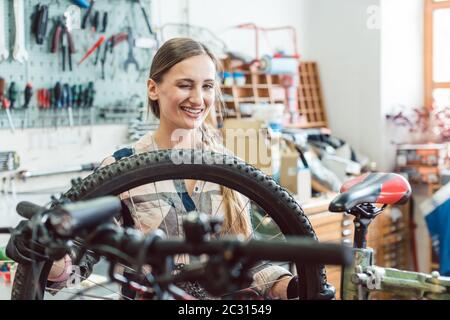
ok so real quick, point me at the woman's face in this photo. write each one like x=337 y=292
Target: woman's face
x=186 y=92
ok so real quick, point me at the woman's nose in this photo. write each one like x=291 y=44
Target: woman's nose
x=196 y=97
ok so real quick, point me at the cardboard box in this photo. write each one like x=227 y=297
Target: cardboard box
x=293 y=176
x=249 y=140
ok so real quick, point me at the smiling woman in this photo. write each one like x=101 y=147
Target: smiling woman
x=186 y=92
x=182 y=89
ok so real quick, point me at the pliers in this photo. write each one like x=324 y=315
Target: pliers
x=63 y=35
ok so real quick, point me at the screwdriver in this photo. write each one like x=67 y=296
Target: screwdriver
x=57 y=96
x=79 y=103
x=12 y=94
x=67 y=97
x=4 y=102
x=104 y=22
x=95 y=21
x=28 y=94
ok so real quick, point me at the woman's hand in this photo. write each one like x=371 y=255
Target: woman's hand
x=279 y=289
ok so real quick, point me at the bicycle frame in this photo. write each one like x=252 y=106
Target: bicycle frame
x=363 y=277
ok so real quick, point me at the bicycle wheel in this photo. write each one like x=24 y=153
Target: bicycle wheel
x=230 y=172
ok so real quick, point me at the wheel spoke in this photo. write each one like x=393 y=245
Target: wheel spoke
x=95 y=284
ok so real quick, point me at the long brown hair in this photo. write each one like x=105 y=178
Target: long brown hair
x=236 y=219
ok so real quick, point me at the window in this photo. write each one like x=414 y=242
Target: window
x=437 y=54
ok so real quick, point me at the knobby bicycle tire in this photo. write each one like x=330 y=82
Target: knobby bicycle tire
x=225 y=170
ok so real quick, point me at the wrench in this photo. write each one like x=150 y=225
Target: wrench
x=4 y=52
x=20 y=54
x=131 y=59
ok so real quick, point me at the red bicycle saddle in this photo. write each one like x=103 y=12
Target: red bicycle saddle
x=381 y=188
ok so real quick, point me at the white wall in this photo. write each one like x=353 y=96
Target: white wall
x=52 y=149
x=348 y=56
x=402 y=84
x=221 y=16
x=402 y=63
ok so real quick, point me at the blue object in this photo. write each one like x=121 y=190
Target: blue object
x=438 y=222
x=123 y=153
x=276 y=127
x=82 y=3
x=188 y=203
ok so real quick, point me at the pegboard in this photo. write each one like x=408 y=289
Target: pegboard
x=119 y=90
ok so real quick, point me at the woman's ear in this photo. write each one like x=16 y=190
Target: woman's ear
x=152 y=89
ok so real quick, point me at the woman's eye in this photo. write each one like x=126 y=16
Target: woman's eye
x=208 y=86
x=184 y=86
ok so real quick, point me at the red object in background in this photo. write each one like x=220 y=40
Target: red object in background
x=257 y=29
x=92 y=49
x=7 y=276
x=4 y=277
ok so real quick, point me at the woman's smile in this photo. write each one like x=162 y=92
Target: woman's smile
x=194 y=113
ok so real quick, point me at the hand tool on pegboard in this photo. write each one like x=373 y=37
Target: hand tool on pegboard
x=40 y=23
x=28 y=93
x=147 y=20
x=12 y=95
x=20 y=53
x=43 y=97
x=4 y=103
x=96 y=46
x=130 y=59
x=90 y=104
x=67 y=101
x=95 y=22
x=4 y=52
x=79 y=103
x=109 y=45
x=82 y=3
x=62 y=38
x=87 y=15
x=58 y=102
x=104 y=22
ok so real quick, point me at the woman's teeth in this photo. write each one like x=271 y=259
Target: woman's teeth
x=192 y=110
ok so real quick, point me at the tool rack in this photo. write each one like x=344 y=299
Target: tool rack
x=120 y=90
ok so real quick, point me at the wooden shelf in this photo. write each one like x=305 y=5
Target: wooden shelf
x=260 y=87
x=248 y=99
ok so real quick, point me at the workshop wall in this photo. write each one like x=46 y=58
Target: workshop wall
x=348 y=55
x=43 y=138
x=49 y=149
x=402 y=62
x=120 y=89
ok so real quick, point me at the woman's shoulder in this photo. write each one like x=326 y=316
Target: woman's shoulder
x=144 y=144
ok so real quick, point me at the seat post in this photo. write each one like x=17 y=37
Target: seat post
x=361 y=228
x=364 y=215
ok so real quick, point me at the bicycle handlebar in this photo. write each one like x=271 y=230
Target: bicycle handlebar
x=67 y=220
x=71 y=219
x=293 y=249
x=28 y=210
